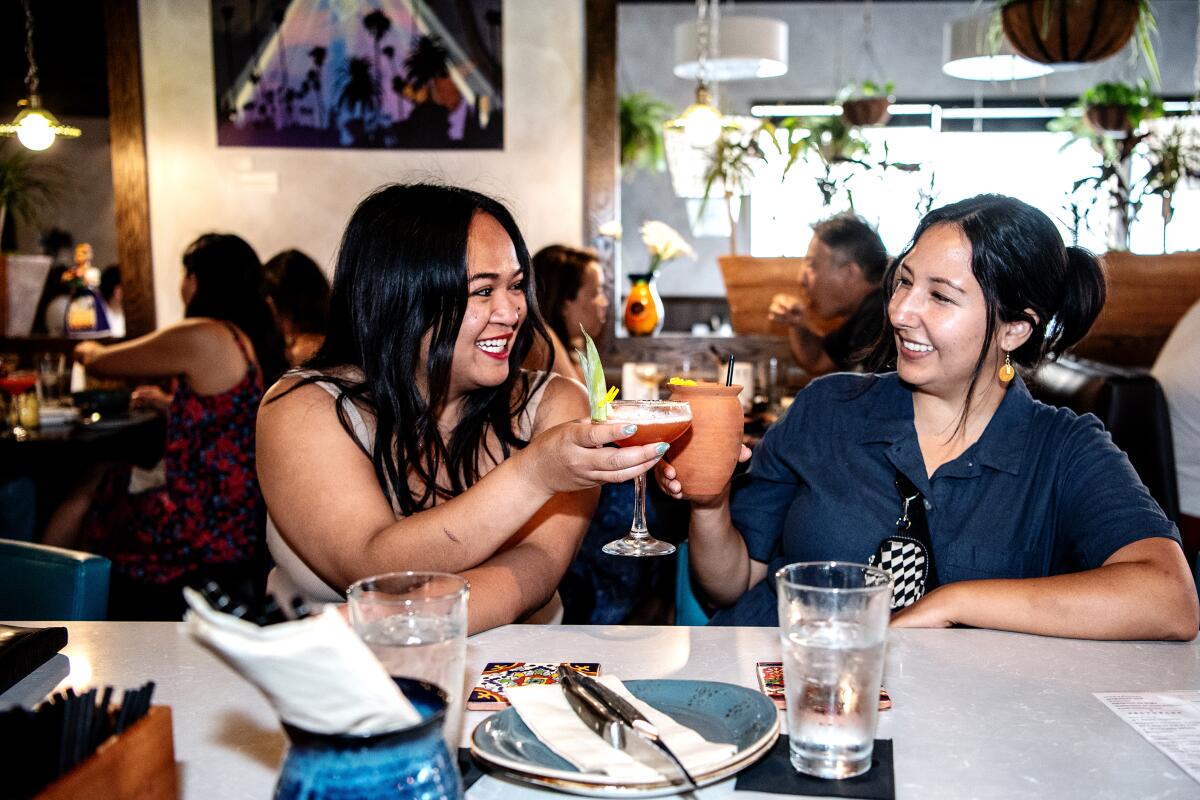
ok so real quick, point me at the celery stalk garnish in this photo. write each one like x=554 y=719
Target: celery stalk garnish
x=593 y=376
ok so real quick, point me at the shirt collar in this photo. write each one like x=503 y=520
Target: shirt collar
x=889 y=419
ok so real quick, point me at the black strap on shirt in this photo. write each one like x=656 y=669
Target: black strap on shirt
x=914 y=523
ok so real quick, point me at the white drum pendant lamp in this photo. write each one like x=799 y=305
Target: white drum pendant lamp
x=969 y=55
x=747 y=47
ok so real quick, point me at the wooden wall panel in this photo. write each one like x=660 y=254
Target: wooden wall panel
x=131 y=194
x=1146 y=297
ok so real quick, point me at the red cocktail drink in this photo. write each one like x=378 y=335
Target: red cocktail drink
x=656 y=421
x=650 y=432
x=20 y=382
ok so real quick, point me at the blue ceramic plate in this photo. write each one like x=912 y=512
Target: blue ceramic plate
x=720 y=712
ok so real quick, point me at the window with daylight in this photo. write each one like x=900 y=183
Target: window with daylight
x=1037 y=166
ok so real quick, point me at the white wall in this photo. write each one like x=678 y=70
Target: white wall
x=278 y=198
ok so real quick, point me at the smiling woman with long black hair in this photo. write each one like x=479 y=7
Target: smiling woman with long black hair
x=413 y=440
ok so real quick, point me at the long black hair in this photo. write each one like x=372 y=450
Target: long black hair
x=52 y=287
x=299 y=290
x=229 y=287
x=1019 y=259
x=559 y=271
x=401 y=278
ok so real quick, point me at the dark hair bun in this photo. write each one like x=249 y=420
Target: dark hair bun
x=1085 y=290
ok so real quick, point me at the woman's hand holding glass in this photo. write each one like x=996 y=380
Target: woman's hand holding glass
x=572 y=456
x=669 y=483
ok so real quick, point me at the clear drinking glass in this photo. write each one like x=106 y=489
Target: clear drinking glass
x=51 y=374
x=13 y=385
x=657 y=421
x=416 y=625
x=833 y=621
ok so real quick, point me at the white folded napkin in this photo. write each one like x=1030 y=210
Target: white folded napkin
x=546 y=711
x=316 y=672
x=51 y=416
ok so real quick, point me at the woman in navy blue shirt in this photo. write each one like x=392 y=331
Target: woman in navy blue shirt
x=1037 y=521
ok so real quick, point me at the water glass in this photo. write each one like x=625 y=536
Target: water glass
x=833 y=622
x=52 y=378
x=416 y=625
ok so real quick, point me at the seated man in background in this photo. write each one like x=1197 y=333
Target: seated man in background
x=1175 y=370
x=846 y=260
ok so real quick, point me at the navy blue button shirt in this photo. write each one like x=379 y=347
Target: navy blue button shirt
x=1042 y=492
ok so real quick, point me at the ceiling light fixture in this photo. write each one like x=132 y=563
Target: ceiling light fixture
x=750 y=47
x=968 y=54
x=701 y=121
x=34 y=126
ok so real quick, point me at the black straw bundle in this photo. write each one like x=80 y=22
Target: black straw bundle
x=63 y=731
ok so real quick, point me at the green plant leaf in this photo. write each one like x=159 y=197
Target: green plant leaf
x=28 y=189
x=641 y=119
x=593 y=375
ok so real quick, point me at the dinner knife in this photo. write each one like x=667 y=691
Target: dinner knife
x=619 y=723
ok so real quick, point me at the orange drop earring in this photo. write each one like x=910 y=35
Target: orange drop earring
x=1006 y=370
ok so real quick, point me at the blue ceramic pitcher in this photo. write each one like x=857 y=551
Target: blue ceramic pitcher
x=408 y=764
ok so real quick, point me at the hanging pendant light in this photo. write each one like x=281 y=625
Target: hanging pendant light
x=969 y=55
x=701 y=121
x=34 y=126
x=751 y=47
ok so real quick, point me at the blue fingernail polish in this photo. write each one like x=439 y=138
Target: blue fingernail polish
x=629 y=430
x=662 y=447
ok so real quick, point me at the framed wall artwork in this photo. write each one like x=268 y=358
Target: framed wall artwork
x=395 y=74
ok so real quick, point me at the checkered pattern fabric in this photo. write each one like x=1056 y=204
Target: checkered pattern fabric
x=906 y=561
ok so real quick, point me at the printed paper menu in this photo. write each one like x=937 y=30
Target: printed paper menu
x=1168 y=720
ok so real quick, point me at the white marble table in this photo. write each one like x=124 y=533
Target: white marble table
x=977 y=714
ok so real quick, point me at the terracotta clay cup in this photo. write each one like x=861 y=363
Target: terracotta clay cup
x=705 y=455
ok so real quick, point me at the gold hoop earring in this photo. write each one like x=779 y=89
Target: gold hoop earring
x=1006 y=370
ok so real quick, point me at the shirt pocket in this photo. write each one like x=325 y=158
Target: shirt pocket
x=963 y=562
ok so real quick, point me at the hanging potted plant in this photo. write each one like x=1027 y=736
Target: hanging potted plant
x=866 y=103
x=642 y=119
x=1117 y=109
x=1078 y=31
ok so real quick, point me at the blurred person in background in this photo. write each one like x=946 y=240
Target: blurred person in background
x=207 y=521
x=598 y=588
x=112 y=295
x=49 y=318
x=570 y=294
x=840 y=280
x=298 y=293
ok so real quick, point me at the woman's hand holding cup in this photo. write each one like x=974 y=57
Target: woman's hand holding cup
x=668 y=481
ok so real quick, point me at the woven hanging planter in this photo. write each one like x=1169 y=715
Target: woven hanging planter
x=1074 y=31
x=866 y=111
x=1110 y=120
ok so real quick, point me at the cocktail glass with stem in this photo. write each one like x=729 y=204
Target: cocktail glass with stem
x=657 y=421
x=14 y=384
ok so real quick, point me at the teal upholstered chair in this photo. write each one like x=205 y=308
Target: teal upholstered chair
x=687 y=608
x=45 y=583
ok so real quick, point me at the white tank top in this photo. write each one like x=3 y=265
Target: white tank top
x=292 y=577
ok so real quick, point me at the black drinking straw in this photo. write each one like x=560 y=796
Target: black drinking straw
x=729 y=372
